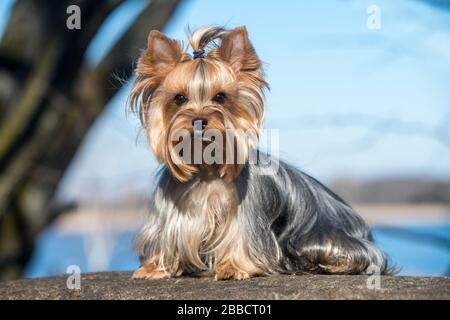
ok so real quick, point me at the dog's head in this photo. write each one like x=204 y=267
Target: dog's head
x=216 y=96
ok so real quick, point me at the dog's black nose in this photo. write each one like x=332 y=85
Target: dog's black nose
x=199 y=123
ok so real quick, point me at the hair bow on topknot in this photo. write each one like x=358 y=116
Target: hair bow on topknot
x=199 y=54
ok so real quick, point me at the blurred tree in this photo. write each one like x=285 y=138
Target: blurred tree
x=49 y=98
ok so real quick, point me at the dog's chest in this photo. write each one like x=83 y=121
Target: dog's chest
x=208 y=207
x=207 y=198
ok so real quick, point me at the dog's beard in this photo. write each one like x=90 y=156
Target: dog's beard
x=221 y=149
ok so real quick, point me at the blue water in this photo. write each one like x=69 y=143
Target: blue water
x=415 y=250
x=55 y=251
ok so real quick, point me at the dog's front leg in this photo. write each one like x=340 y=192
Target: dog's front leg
x=234 y=258
x=151 y=269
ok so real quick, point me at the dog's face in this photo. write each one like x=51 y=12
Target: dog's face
x=181 y=98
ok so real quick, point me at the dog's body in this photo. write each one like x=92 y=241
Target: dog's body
x=243 y=219
x=261 y=223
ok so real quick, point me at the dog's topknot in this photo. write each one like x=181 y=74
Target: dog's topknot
x=205 y=37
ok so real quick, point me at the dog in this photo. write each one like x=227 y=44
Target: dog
x=234 y=219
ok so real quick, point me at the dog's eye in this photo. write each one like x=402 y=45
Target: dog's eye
x=180 y=99
x=219 y=98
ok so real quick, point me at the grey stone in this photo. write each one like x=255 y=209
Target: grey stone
x=119 y=285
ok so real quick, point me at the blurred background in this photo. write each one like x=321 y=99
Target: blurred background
x=363 y=107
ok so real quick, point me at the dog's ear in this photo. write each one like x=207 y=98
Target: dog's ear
x=237 y=50
x=162 y=53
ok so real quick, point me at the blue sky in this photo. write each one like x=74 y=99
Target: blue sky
x=5 y=10
x=323 y=64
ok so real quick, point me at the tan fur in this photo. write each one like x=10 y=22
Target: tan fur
x=151 y=270
x=164 y=70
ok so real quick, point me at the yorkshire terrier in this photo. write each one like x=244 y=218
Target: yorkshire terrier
x=238 y=219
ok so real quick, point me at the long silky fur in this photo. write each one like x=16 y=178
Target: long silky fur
x=290 y=223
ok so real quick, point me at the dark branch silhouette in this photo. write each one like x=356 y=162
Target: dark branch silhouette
x=49 y=98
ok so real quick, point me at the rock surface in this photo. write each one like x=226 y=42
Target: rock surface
x=119 y=285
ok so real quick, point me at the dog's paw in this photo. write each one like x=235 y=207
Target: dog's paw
x=149 y=271
x=229 y=272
